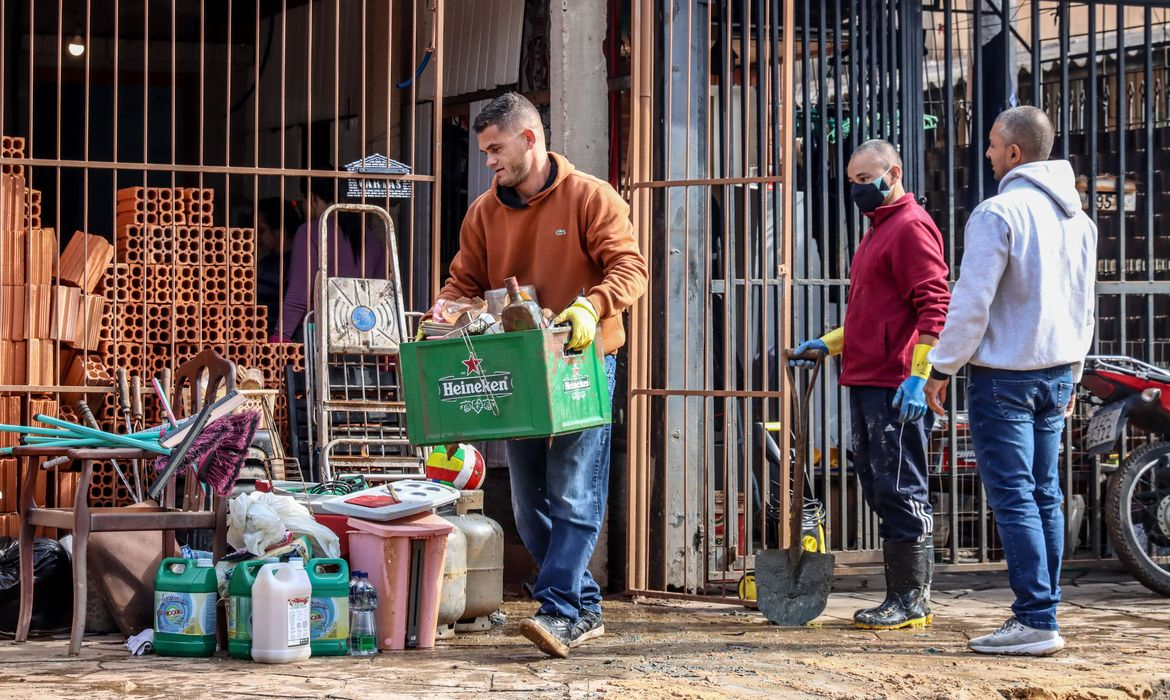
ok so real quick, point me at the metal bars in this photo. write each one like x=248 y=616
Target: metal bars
x=209 y=110
x=857 y=74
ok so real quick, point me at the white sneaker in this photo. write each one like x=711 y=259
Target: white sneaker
x=1017 y=639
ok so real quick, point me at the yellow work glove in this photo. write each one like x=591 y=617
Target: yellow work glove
x=910 y=398
x=584 y=321
x=834 y=340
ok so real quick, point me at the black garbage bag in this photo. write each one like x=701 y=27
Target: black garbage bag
x=53 y=589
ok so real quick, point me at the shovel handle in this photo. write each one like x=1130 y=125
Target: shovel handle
x=812 y=354
x=801 y=407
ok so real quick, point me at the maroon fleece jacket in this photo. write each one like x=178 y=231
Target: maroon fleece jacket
x=897 y=290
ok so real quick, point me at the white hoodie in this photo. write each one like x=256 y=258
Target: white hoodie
x=1025 y=295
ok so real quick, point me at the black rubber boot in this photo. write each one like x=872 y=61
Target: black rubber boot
x=909 y=568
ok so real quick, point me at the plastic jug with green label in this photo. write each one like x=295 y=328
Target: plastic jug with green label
x=329 y=614
x=239 y=608
x=184 y=608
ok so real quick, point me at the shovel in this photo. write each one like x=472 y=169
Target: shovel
x=792 y=585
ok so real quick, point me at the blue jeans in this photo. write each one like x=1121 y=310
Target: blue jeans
x=1016 y=421
x=891 y=464
x=559 y=492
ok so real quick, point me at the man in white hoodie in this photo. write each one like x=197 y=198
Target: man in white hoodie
x=1022 y=316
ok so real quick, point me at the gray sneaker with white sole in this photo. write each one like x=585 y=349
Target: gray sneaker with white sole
x=1017 y=639
x=588 y=626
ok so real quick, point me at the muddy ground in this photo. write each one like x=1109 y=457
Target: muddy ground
x=1118 y=647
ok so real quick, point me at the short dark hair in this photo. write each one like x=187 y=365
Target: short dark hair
x=507 y=112
x=269 y=209
x=323 y=187
x=886 y=152
x=1029 y=128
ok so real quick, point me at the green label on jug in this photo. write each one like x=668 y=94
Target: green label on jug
x=239 y=614
x=298 y=621
x=184 y=613
x=329 y=618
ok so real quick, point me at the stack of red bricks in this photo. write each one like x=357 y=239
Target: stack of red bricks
x=180 y=284
x=32 y=319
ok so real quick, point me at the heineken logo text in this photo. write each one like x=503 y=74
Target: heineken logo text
x=577 y=384
x=496 y=384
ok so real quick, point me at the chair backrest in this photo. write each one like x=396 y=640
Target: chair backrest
x=211 y=369
x=207 y=367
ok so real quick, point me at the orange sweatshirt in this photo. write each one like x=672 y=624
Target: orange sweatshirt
x=575 y=234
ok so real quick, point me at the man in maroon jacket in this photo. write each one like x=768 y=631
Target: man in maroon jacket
x=898 y=298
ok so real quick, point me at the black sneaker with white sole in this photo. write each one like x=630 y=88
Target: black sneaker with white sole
x=588 y=626
x=550 y=633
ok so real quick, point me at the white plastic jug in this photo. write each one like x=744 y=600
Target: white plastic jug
x=281 y=601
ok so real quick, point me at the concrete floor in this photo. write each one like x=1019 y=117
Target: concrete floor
x=1117 y=632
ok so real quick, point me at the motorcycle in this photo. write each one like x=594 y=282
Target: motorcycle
x=1137 y=494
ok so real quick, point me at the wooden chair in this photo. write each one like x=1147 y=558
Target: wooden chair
x=196 y=512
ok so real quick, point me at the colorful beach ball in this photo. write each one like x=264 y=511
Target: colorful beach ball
x=463 y=470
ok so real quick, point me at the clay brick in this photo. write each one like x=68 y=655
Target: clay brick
x=13 y=256
x=9 y=471
x=161 y=324
x=65 y=313
x=40 y=310
x=42 y=254
x=81 y=369
x=10 y=524
x=90 y=322
x=10 y=415
x=130 y=242
x=14 y=321
x=12 y=362
x=41 y=362
x=85 y=260
x=67 y=489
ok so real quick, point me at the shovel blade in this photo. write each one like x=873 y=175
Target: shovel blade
x=792 y=596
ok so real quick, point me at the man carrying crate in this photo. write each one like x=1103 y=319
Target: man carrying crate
x=569 y=235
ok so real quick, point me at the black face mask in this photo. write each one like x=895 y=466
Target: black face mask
x=871 y=195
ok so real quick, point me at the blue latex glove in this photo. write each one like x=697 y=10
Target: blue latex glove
x=814 y=344
x=911 y=398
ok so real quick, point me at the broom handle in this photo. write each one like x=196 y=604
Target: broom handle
x=112 y=437
x=162 y=398
x=151 y=433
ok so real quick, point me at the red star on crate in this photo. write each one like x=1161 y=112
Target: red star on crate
x=472 y=363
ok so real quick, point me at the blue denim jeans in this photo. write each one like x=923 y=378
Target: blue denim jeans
x=559 y=493
x=1016 y=422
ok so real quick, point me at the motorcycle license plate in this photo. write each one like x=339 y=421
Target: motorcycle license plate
x=1104 y=427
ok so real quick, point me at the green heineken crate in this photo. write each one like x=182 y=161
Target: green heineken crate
x=505 y=385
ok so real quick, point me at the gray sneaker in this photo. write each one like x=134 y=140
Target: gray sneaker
x=550 y=633
x=588 y=626
x=1017 y=639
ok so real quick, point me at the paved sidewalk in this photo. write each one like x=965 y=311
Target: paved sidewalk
x=1118 y=635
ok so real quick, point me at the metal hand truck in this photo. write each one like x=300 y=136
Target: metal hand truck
x=354 y=388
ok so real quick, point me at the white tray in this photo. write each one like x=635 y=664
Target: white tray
x=413 y=496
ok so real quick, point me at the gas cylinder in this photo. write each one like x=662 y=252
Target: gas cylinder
x=452 y=596
x=485 y=562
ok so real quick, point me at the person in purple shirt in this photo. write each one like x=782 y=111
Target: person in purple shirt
x=351 y=254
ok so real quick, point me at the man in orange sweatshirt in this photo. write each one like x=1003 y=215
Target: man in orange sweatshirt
x=569 y=235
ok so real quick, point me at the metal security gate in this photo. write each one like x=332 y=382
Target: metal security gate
x=178 y=133
x=712 y=157
x=930 y=77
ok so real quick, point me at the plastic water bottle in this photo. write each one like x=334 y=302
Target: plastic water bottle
x=363 y=601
